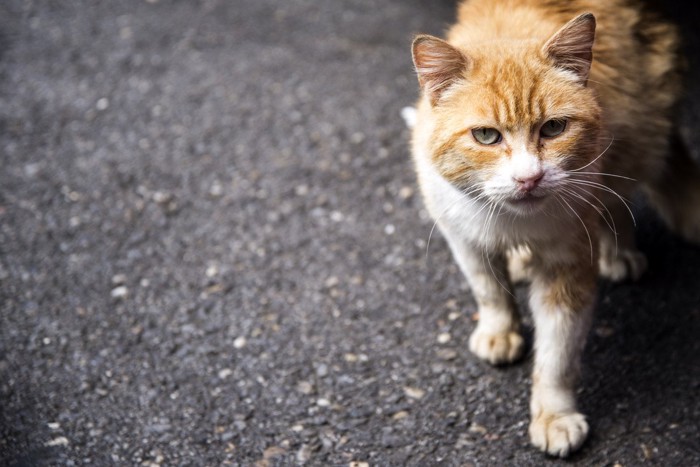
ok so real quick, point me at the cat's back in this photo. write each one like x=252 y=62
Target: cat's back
x=634 y=50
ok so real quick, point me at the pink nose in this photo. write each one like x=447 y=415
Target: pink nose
x=528 y=183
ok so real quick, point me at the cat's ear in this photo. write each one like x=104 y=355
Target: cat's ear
x=571 y=46
x=438 y=65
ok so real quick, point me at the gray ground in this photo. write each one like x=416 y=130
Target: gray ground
x=212 y=252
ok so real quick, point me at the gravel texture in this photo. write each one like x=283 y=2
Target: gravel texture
x=212 y=252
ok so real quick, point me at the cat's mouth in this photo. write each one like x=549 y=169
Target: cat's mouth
x=527 y=202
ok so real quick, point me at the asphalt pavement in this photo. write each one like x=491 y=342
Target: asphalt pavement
x=213 y=252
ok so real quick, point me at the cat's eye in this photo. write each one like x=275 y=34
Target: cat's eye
x=552 y=128
x=486 y=136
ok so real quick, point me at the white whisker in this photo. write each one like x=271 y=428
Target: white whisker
x=597 y=208
x=606 y=175
x=590 y=241
x=600 y=186
x=489 y=222
x=612 y=139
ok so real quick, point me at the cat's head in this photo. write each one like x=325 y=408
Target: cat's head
x=512 y=120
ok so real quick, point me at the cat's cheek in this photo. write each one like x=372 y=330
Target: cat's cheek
x=501 y=179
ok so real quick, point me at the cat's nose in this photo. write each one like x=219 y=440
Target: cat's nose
x=527 y=183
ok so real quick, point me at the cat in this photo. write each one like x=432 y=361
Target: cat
x=537 y=120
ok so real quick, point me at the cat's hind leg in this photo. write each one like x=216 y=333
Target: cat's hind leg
x=619 y=257
x=676 y=192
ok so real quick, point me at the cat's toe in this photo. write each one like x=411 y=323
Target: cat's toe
x=627 y=264
x=558 y=434
x=498 y=348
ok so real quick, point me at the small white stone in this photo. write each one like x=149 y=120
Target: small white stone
x=212 y=271
x=358 y=464
x=119 y=292
x=240 y=342
x=453 y=316
x=102 y=103
x=357 y=138
x=305 y=387
x=119 y=279
x=350 y=357
x=444 y=338
x=301 y=190
x=389 y=229
x=216 y=190
x=413 y=393
x=446 y=354
x=60 y=441
x=406 y=192
x=322 y=402
x=161 y=197
x=336 y=216
x=225 y=373
x=32 y=169
x=476 y=428
x=54 y=426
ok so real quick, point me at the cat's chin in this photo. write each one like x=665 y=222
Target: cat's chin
x=526 y=205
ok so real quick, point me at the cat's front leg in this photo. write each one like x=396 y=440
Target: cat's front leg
x=561 y=301
x=497 y=337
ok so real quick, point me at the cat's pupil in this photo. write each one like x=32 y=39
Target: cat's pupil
x=486 y=135
x=553 y=128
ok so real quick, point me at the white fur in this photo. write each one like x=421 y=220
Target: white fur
x=480 y=227
x=523 y=164
x=475 y=222
x=557 y=427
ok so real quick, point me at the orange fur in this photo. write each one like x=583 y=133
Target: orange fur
x=538 y=117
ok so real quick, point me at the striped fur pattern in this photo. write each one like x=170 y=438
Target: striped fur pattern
x=537 y=120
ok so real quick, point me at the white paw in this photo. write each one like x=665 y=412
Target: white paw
x=628 y=264
x=558 y=434
x=497 y=348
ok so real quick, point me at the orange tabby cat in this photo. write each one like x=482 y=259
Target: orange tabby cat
x=537 y=119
